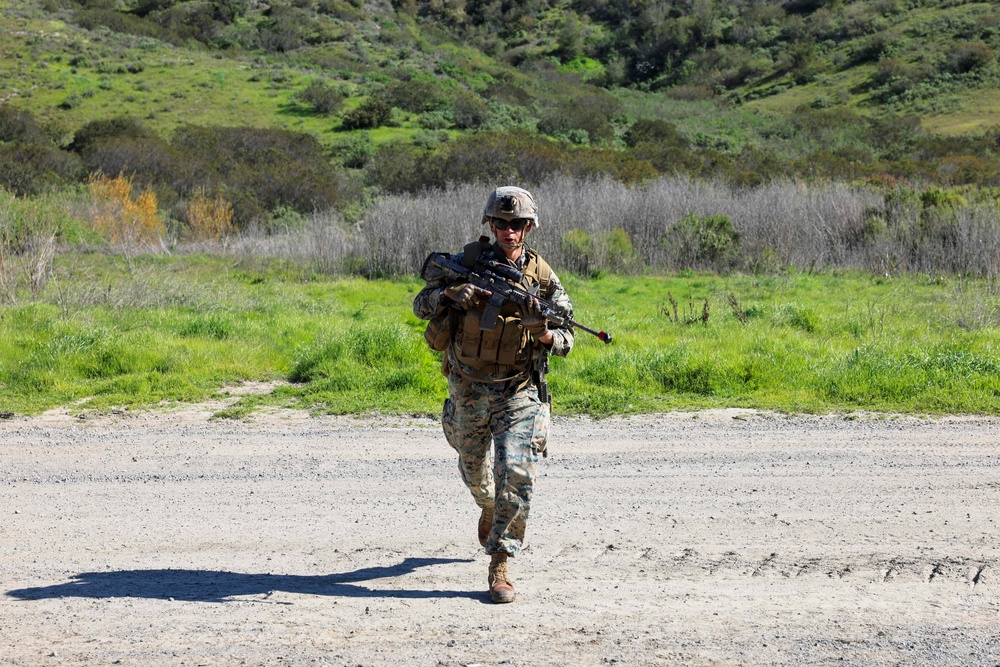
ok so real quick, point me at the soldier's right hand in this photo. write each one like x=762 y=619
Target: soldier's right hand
x=467 y=295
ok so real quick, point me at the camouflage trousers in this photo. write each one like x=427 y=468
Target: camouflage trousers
x=517 y=424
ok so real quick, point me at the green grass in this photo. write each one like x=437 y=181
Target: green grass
x=179 y=329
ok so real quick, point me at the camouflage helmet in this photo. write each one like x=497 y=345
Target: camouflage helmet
x=510 y=202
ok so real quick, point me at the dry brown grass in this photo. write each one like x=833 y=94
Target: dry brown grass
x=27 y=249
x=781 y=225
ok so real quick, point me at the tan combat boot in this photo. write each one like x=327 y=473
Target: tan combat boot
x=501 y=585
x=485 y=524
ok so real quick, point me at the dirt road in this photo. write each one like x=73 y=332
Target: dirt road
x=718 y=538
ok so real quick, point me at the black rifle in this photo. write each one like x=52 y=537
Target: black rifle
x=504 y=282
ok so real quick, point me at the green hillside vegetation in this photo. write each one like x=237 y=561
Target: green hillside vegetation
x=742 y=92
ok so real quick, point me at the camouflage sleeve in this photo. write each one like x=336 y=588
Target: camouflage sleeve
x=430 y=300
x=562 y=337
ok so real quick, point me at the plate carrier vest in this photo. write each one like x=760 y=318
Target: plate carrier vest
x=504 y=352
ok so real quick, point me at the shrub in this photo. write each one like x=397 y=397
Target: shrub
x=701 y=242
x=516 y=156
x=968 y=170
x=287 y=28
x=659 y=143
x=655 y=131
x=430 y=139
x=19 y=126
x=209 y=218
x=354 y=150
x=591 y=112
x=30 y=169
x=286 y=219
x=570 y=38
x=667 y=159
x=469 y=112
x=968 y=56
x=150 y=161
x=616 y=251
x=414 y=96
x=323 y=99
x=28 y=233
x=873 y=48
x=120 y=216
x=587 y=162
x=799 y=317
x=801 y=62
x=399 y=167
x=72 y=101
x=115 y=21
x=261 y=169
x=96 y=130
x=375 y=112
x=434 y=120
x=578 y=250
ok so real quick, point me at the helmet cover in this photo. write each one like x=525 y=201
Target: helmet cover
x=510 y=202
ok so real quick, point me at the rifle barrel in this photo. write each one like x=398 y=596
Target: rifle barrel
x=603 y=336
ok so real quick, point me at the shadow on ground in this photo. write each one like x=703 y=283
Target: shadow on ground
x=214 y=586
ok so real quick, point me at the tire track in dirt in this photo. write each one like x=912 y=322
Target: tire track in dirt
x=688 y=563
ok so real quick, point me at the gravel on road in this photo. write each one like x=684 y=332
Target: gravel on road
x=726 y=537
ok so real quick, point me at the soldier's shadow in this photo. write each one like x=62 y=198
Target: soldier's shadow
x=219 y=586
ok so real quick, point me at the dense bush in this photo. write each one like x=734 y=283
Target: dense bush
x=286 y=28
x=398 y=167
x=374 y=112
x=415 y=96
x=616 y=252
x=968 y=56
x=151 y=162
x=704 y=242
x=354 y=150
x=19 y=126
x=655 y=131
x=468 y=111
x=591 y=112
x=577 y=248
x=262 y=169
x=117 y=22
x=32 y=168
x=30 y=163
x=321 y=98
x=97 y=130
x=514 y=156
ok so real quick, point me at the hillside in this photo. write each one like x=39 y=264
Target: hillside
x=408 y=94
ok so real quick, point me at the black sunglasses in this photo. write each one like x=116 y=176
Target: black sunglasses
x=517 y=224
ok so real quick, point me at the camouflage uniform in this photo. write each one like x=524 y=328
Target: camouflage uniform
x=504 y=409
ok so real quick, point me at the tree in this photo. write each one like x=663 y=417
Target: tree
x=569 y=41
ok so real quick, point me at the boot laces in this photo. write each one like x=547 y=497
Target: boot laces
x=498 y=571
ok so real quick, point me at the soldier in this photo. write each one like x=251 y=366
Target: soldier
x=494 y=378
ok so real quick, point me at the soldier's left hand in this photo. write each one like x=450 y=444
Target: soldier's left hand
x=533 y=320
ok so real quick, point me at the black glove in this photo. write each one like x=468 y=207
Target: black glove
x=466 y=295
